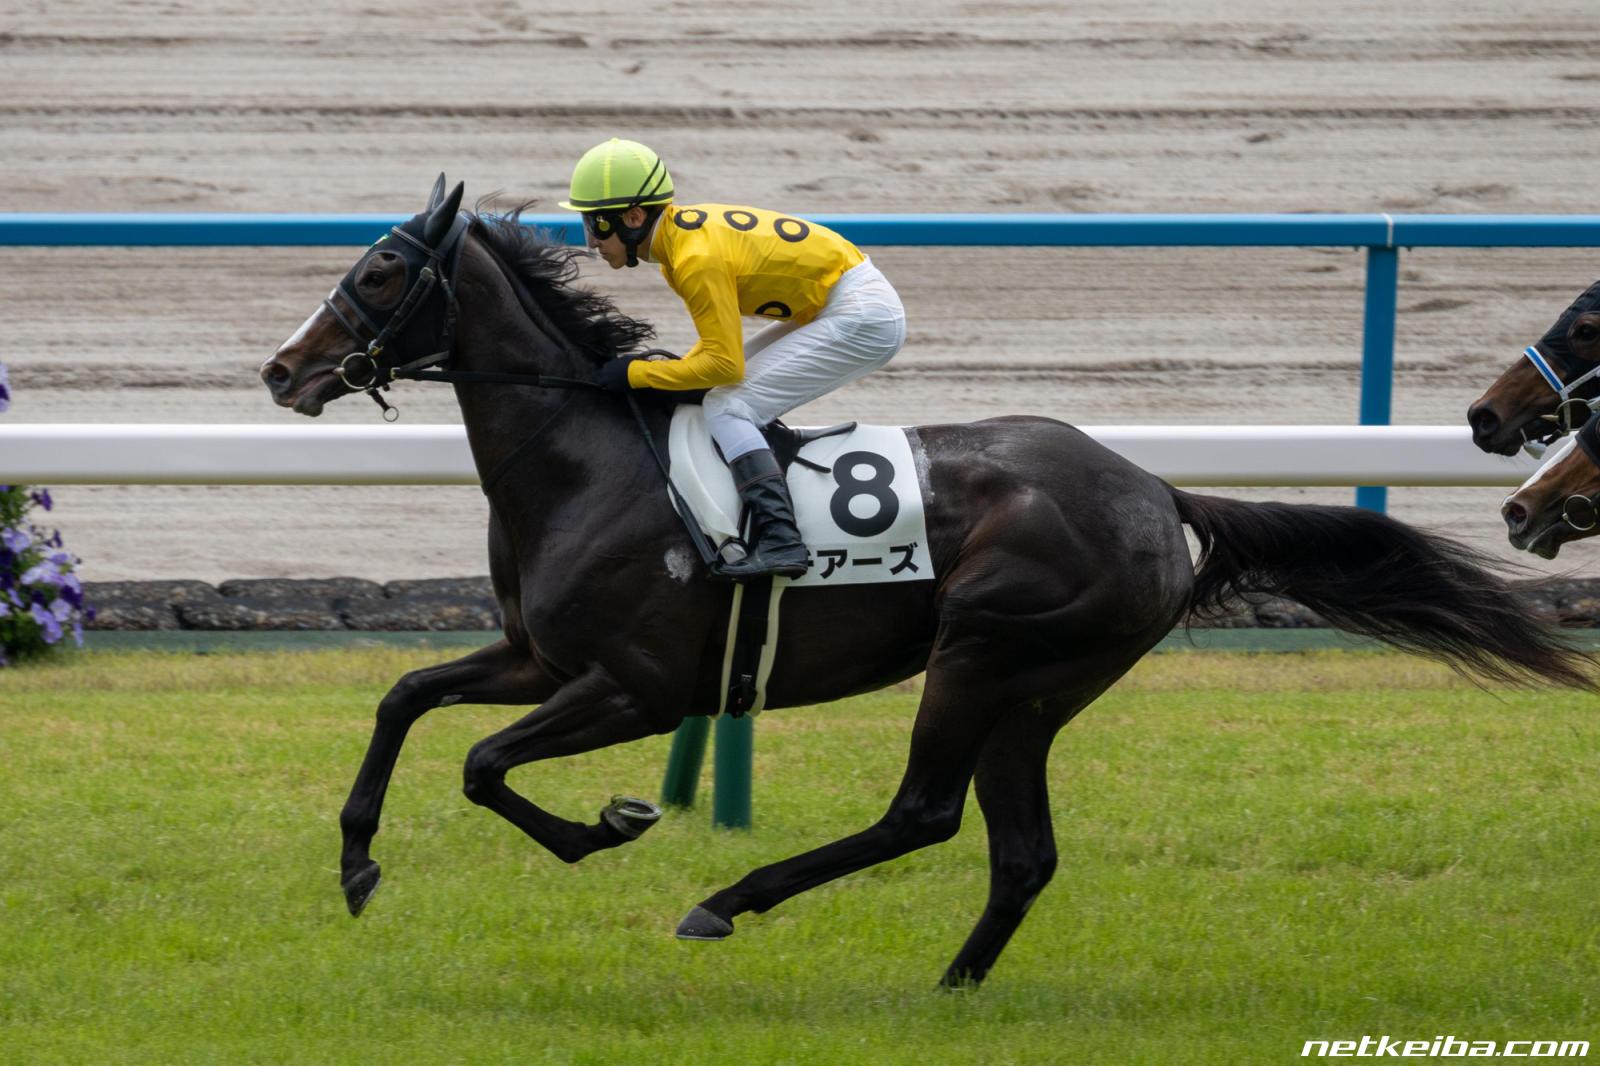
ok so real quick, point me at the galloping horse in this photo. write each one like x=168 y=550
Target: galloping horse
x=1545 y=393
x=1057 y=565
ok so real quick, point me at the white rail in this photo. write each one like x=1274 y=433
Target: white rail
x=136 y=454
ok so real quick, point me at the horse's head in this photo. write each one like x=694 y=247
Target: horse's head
x=1561 y=501
x=1543 y=394
x=393 y=310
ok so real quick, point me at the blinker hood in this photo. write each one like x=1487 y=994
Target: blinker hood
x=417 y=329
x=1555 y=346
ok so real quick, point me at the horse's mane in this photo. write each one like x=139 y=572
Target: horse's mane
x=548 y=268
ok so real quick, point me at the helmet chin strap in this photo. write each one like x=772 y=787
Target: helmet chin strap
x=632 y=238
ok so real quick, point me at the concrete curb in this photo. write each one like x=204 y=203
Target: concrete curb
x=355 y=605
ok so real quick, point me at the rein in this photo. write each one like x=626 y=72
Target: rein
x=418 y=370
x=702 y=544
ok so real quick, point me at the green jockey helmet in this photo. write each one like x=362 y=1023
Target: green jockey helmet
x=617 y=175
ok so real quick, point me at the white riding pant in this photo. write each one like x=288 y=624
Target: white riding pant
x=860 y=328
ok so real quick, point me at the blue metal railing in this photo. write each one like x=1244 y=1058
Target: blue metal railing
x=1382 y=235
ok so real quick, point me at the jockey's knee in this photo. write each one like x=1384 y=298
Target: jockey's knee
x=734 y=433
x=481 y=772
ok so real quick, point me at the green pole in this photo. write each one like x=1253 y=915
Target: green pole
x=730 y=794
x=683 y=764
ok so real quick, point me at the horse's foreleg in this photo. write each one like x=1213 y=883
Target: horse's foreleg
x=1014 y=796
x=950 y=728
x=497 y=674
x=590 y=712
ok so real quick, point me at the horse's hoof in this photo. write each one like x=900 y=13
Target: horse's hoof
x=359 y=887
x=701 y=924
x=629 y=816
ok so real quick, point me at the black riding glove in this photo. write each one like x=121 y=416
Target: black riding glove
x=613 y=374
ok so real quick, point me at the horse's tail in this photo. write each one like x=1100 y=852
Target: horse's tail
x=1369 y=574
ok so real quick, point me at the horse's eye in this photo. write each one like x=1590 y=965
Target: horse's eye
x=1587 y=332
x=372 y=278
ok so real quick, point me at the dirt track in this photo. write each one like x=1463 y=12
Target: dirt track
x=335 y=107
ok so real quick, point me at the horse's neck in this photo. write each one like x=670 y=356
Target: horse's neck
x=565 y=442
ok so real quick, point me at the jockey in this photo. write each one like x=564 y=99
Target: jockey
x=834 y=317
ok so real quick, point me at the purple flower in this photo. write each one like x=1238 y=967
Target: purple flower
x=16 y=540
x=45 y=573
x=47 y=622
x=42 y=498
x=5 y=609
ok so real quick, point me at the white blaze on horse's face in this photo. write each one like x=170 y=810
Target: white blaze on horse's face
x=1551 y=461
x=305 y=327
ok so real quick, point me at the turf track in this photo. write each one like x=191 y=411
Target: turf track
x=1255 y=851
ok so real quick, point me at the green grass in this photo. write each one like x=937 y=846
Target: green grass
x=1255 y=851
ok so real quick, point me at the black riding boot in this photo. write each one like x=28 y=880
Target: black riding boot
x=775 y=545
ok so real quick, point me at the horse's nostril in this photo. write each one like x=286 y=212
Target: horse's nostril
x=1515 y=514
x=276 y=375
x=1483 y=421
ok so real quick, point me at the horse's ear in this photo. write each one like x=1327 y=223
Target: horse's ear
x=436 y=197
x=438 y=223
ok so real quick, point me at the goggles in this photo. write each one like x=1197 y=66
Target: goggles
x=601 y=224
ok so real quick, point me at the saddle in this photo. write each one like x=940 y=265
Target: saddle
x=858 y=502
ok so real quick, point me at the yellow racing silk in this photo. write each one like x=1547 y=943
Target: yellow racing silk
x=727 y=262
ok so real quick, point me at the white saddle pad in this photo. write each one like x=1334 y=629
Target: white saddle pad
x=863 y=519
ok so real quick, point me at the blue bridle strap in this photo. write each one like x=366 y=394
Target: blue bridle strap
x=1543 y=367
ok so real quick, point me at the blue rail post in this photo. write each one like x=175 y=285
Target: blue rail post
x=1377 y=355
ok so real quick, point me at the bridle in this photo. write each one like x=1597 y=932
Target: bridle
x=1582 y=512
x=1552 y=351
x=373 y=369
x=430 y=295
x=1571 y=410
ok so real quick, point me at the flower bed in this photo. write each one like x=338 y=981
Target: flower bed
x=41 y=599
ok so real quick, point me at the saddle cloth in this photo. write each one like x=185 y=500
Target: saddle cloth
x=862 y=518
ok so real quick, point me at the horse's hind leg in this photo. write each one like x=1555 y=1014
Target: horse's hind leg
x=951 y=724
x=497 y=674
x=1014 y=796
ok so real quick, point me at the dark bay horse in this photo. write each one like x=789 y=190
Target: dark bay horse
x=1058 y=564
x=1543 y=394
